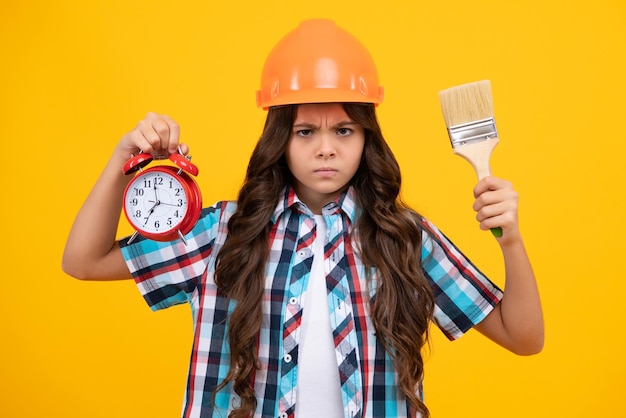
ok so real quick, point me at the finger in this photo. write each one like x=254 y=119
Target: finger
x=502 y=214
x=490 y=183
x=156 y=133
x=161 y=126
x=490 y=211
x=506 y=220
x=497 y=193
x=184 y=148
x=488 y=198
x=174 y=135
x=149 y=138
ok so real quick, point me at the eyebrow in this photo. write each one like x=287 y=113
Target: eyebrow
x=305 y=125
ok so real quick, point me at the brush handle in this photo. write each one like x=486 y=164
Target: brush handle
x=478 y=154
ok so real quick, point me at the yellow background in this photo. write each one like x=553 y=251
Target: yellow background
x=76 y=75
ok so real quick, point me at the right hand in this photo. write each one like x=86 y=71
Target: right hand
x=156 y=134
x=92 y=251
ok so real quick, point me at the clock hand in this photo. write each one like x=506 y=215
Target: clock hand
x=163 y=203
x=157 y=203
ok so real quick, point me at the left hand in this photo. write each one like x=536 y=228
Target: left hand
x=496 y=206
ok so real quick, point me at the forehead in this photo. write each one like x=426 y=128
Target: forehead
x=316 y=112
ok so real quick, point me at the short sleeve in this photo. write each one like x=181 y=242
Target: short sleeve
x=168 y=273
x=464 y=296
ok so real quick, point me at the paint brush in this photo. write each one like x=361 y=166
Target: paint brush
x=468 y=113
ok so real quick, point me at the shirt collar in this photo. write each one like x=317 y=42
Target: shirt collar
x=345 y=202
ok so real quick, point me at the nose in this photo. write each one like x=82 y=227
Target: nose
x=326 y=148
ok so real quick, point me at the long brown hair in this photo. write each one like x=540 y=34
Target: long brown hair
x=389 y=241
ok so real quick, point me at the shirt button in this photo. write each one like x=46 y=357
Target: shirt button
x=283 y=415
x=287 y=358
x=293 y=300
x=301 y=254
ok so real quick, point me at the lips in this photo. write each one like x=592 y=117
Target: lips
x=325 y=171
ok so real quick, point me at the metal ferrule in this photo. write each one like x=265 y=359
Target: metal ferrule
x=475 y=131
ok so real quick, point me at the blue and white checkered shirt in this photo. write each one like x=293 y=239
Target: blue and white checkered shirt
x=170 y=273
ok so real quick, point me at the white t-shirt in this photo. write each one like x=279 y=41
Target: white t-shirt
x=319 y=389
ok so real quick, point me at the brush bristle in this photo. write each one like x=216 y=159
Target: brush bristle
x=466 y=103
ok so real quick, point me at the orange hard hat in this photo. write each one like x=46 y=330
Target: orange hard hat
x=318 y=62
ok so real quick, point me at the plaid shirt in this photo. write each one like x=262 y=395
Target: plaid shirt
x=170 y=273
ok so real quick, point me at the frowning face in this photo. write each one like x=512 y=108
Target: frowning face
x=323 y=152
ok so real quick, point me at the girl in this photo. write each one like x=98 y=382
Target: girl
x=313 y=292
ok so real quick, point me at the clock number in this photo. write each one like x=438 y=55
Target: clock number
x=137 y=214
x=134 y=201
x=157 y=224
x=147 y=184
x=138 y=192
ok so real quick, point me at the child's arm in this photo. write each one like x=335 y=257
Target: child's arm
x=91 y=250
x=516 y=323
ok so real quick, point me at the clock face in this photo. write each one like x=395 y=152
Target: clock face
x=156 y=202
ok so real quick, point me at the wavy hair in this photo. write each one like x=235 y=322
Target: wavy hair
x=389 y=241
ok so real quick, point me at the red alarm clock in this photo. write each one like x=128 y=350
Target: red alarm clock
x=162 y=203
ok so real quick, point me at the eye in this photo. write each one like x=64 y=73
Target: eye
x=304 y=132
x=344 y=131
